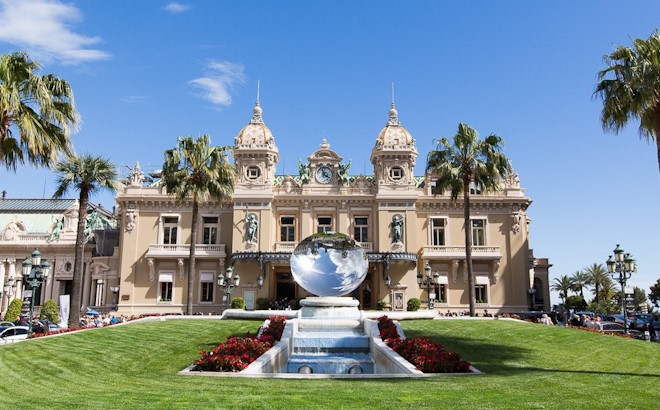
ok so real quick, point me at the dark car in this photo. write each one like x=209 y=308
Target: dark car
x=612 y=327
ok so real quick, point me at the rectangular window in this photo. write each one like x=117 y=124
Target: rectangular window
x=165 y=291
x=438 y=231
x=206 y=282
x=324 y=224
x=480 y=293
x=441 y=293
x=361 y=229
x=165 y=283
x=207 y=292
x=478 y=232
x=210 y=230
x=287 y=228
x=475 y=189
x=170 y=228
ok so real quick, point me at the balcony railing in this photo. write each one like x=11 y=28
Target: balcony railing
x=183 y=250
x=458 y=252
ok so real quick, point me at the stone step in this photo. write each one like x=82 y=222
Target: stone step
x=331 y=363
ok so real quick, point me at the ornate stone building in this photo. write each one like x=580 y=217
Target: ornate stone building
x=392 y=214
x=50 y=226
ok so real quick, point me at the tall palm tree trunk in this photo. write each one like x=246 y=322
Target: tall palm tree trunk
x=191 y=262
x=468 y=244
x=79 y=261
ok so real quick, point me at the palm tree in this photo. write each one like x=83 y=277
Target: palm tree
x=580 y=280
x=562 y=285
x=88 y=175
x=598 y=277
x=196 y=169
x=630 y=86
x=468 y=160
x=40 y=109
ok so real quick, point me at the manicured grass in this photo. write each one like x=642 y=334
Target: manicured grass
x=526 y=365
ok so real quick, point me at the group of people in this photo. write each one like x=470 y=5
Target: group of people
x=586 y=321
x=283 y=304
x=101 y=320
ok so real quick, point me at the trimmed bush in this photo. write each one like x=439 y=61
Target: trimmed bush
x=383 y=304
x=414 y=304
x=50 y=311
x=576 y=302
x=238 y=303
x=264 y=303
x=14 y=310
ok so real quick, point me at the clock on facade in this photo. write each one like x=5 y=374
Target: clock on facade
x=324 y=174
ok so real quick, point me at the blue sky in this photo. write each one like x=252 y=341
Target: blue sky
x=146 y=72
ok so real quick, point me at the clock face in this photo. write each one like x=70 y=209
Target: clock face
x=324 y=174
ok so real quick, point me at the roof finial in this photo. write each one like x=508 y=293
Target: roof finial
x=256 y=112
x=393 y=114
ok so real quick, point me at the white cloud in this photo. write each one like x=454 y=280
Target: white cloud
x=43 y=29
x=176 y=8
x=220 y=77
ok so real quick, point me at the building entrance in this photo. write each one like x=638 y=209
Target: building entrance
x=285 y=287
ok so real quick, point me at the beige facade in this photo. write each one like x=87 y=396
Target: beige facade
x=392 y=213
x=50 y=226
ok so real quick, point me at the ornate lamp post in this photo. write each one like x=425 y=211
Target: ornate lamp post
x=35 y=272
x=428 y=281
x=115 y=291
x=10 y=289
x=621 y=268
x=227 y=284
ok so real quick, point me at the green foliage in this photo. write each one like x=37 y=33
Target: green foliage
x=383 y=304
x=601 y=307
x=654 y=293
x=238 y=303
x=264 y=303
x=454 y=166
x=413 y=304
x=576 y=302
x=50 y=311
x=628 y=87
x=14 y=310
x=562 y=285
x=40 y=108
x=123 y=363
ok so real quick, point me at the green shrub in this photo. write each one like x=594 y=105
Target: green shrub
x=50 y=311
x=414 y=304
x=14 y=310
x=383 y=305
x=576 y=302
x=238 y=303
x=264 y=303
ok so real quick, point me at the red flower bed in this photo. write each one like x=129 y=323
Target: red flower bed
x=426 y=355
x=594 y=330
x=238 y=352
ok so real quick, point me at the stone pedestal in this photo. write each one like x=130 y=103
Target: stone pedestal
x=328 y=307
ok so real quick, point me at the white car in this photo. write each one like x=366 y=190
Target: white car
x=13 y=334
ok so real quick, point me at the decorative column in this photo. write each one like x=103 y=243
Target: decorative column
x=2 y=286
x=87 y=276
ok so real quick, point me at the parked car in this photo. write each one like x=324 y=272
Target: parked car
x=641 y=321
x=612 y=327
x=616 y=318
x=5 y=323
x=13 y=334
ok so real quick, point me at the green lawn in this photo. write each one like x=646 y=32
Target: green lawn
x=526 y=366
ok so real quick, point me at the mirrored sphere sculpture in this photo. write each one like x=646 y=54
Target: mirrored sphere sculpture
x=329 y=264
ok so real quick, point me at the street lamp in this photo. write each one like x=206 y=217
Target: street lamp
x=227 y=284
x=115 y=291
x=10 y=287
x=623 y=266
x=428 y=281
x=35 y=273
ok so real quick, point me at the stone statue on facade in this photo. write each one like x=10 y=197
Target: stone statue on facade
x=58 y=224
x=305 y=172
x=397 y=228
x=343 y=173
x=135 y=176
x=252 y=227
x=512 y=180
